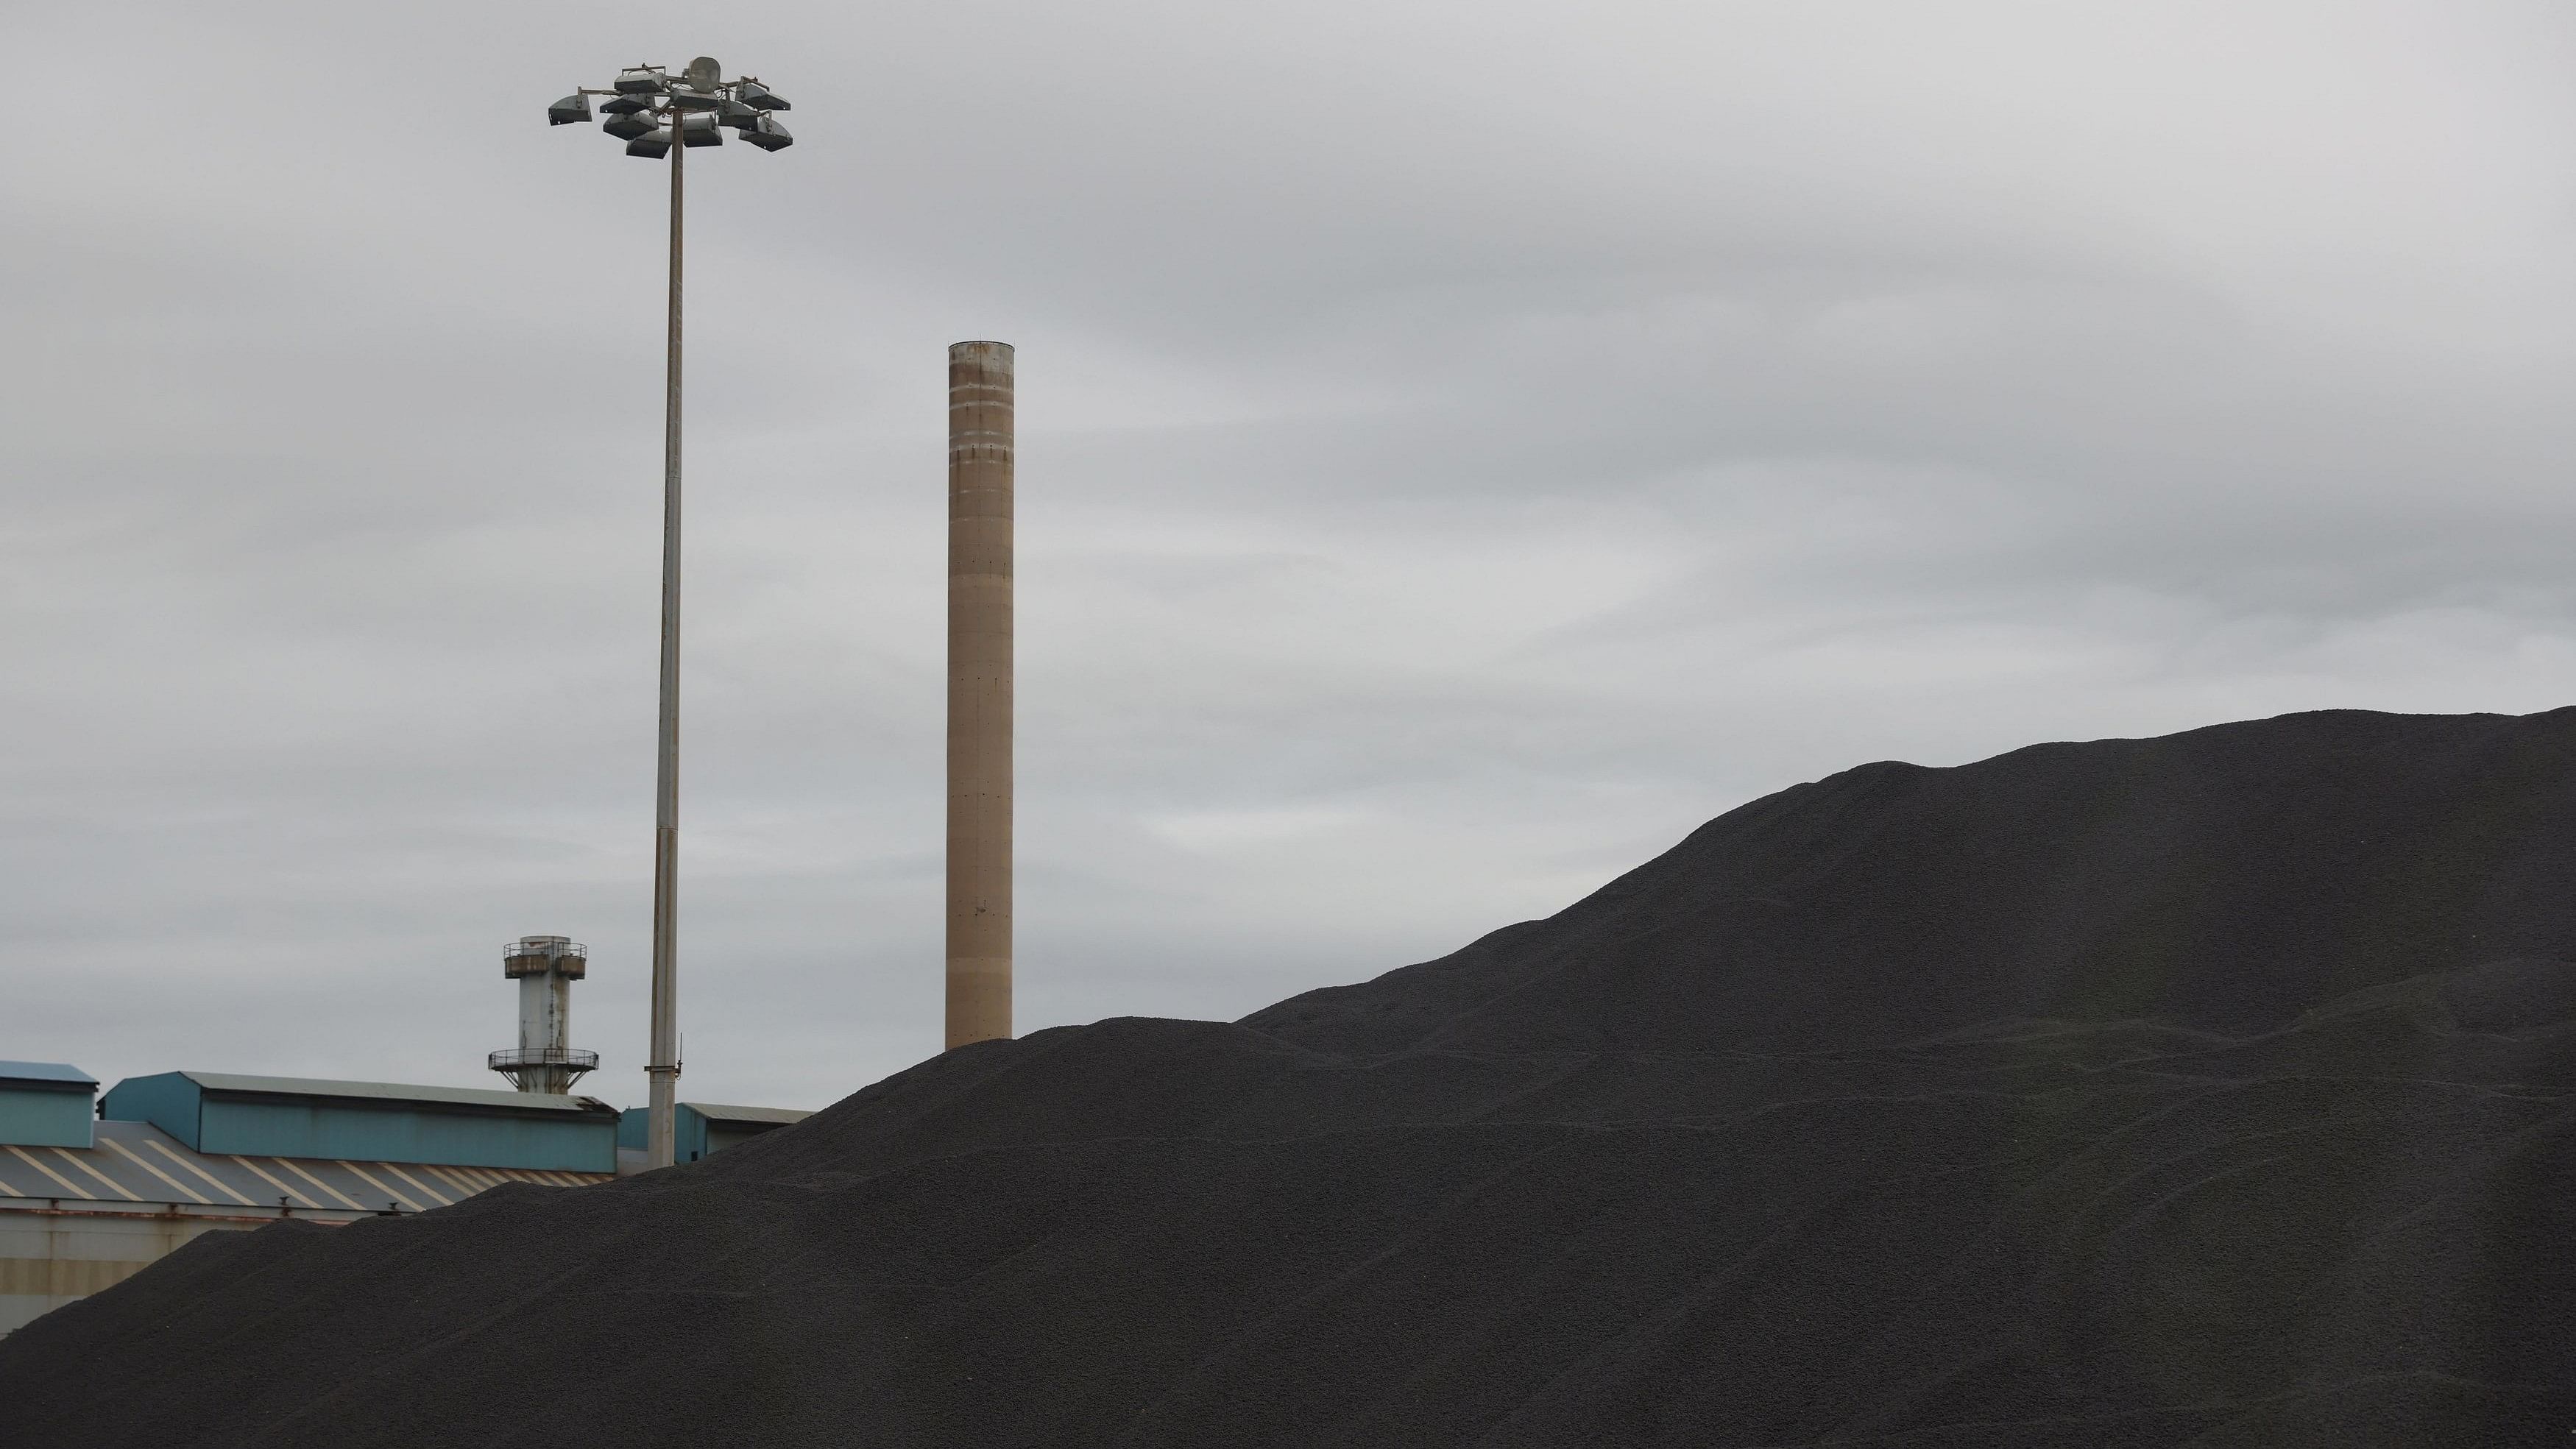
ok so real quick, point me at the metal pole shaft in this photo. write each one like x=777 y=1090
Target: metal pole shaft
x=663 y=1069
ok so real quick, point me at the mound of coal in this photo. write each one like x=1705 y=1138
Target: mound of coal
x=2225 y=880
x=2210 y=1090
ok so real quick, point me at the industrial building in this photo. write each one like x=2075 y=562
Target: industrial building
x=700 y=1128
x=215 y=1112
x=93 y=1189
x=165 y=1158
x=45 y=1104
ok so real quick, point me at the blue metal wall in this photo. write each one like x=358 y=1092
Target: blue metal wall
x=167 y=1100
x=34 y=1116
x=269 y=1125
x=321 y=1127
x=720 y=1137
x=688 y=1132
x=693 y=1133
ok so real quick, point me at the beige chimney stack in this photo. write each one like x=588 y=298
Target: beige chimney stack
x=980 y=429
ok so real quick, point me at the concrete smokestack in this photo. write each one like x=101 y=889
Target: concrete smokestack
x=981 y=401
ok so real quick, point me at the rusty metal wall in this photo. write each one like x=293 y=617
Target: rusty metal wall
x=50 y=1258
x=76 y=1220
x=981 y=402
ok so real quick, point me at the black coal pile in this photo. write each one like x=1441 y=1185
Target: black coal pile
x=2210 y=1090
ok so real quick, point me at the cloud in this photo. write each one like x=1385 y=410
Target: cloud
x=1461 y=452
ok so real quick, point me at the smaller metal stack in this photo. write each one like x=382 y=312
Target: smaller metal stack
x=544 y=1061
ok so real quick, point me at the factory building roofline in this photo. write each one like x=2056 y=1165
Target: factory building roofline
x=220 y=1112
x=45 y=1104
x=46 y=1074
x=74 y=1220
x=772 y=1116
x=700 y=1128
x=135 y=1166
x=393 y=1092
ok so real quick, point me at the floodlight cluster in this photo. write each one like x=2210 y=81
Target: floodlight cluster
x=648 y=108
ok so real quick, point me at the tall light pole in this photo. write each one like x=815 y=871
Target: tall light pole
x=659 y=114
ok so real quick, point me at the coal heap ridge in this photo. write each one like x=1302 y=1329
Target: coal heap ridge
x=2208 y=1090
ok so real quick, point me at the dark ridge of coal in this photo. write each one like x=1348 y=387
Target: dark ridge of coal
x=2225 y=879
x=2207 y=1145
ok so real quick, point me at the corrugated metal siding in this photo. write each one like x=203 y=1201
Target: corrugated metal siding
x=167 y=1100
x=73 y=1220
x=391 y=1092
x=394 y=1133
x=739 y=1118
x=59 y=1073
x=719 y=1137
x=688 y=1131
x=44 y=1116
x=701 y=1128
x=260 y=1116
x=48 y=1259
x=139 y=1166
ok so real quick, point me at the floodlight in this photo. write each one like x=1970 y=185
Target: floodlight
x=651 y=110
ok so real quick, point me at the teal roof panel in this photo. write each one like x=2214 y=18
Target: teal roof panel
x=393 y=1092
x=58 y=1074
x=767 y=1116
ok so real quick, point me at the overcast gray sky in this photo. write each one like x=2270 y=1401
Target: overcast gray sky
x=1463 y=448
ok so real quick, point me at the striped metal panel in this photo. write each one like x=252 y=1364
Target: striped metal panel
x=136 y=1166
